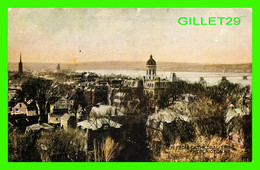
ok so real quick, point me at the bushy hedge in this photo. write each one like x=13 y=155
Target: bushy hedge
x=45 y=146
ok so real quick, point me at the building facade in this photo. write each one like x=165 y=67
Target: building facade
x=152 y=84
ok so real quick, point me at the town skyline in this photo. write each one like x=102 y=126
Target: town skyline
x=126 y=35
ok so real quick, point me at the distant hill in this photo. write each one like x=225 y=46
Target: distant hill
x=161 y=66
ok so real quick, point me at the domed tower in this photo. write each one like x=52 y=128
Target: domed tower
x=151 y=69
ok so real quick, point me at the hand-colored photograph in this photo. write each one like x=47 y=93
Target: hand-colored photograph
x=129 y=84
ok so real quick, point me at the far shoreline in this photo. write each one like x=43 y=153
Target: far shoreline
x=138 y=66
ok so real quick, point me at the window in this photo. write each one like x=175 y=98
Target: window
x=20 y=105
x=149 y=72
x=153 y=72
x=16 y=109
x=105 y=126
x=63 y=102
x=10 y=109
x=191 y=99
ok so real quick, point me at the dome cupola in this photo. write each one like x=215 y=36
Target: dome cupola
x=151 y=61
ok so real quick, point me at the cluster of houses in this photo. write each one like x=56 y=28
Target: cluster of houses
x=97 y=101
x=103 y=102
x=182 y=126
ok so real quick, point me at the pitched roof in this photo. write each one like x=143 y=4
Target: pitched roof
x=235 y=112
x=30 y=106
x=95 y=124
x=156 y=120
x=56 y=114
x=120 y=94
x=66 y=116
x=104 y=111
x=36 y=127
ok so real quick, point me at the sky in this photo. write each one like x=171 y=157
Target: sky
x=90 y=35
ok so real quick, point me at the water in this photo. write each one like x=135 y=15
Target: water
x=211 y=78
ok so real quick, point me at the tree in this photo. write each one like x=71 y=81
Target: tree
x=163 y=100
x=22 y=148
x=135 y=100
x=41 y=90
x=227 y=92
x=106 y=150
x=61 y=146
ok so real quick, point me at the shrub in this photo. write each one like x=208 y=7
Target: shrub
x=203 y=149
x=61 y=147
x=21 y=147
x=107 y=150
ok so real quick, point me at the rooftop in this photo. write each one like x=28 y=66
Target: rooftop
x=151 y=61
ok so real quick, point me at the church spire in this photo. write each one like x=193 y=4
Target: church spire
x=20 y=57
x=20 y=65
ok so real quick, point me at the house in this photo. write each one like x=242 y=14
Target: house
x=116 y=83
x=165 y=127
x=188 y=98
x=235 y=112
x=78 y=77
x=95 y=94
x=61 y=106
x=11 y=93
x=55 y=118
x=68 y=121
x=22 y=108
x=118 y=99
x=38 y=127
x=96 y=124
x=90 y=76
x=17 y=108
x=133 y=83
x=239 y=126
x=94 y=129
x=104 y=111
x=111 y=92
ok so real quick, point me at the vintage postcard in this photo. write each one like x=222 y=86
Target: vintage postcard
x=129 y=85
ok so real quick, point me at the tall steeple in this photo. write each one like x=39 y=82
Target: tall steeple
x=20 y=65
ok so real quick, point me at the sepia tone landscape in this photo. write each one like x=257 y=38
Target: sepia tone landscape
x=162 y=66
x=167 y=94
